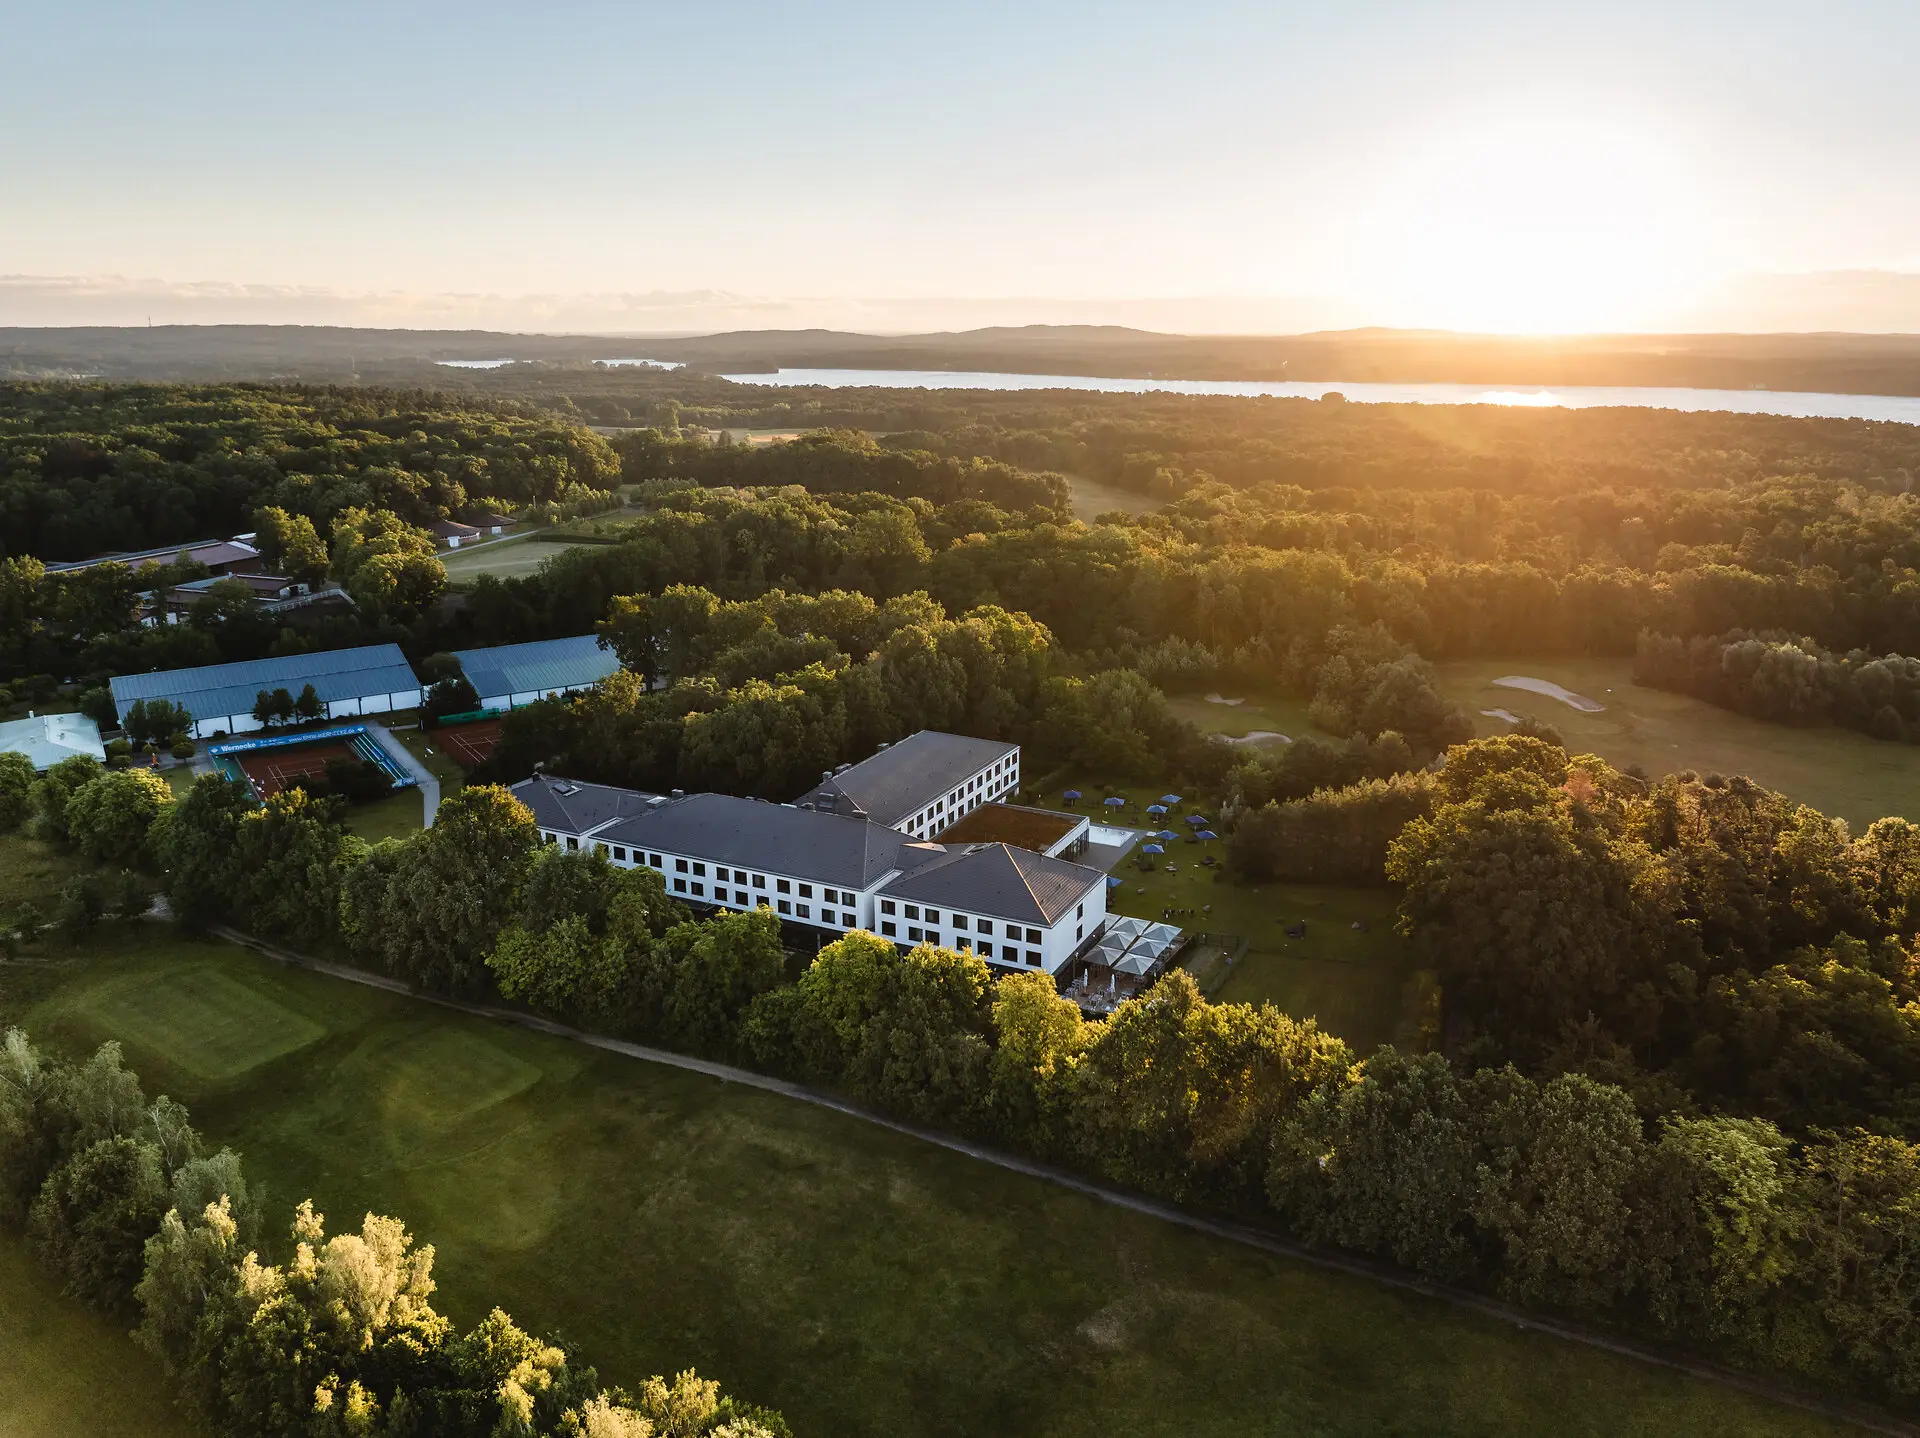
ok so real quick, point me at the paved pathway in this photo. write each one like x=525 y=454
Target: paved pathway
x=1867 y=1418
x=422 y=775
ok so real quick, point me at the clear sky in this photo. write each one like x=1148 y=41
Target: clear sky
x=1467 y=163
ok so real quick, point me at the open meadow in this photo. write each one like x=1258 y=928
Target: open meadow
x=1837 y=771
x=862 y=1281
x=510 y=558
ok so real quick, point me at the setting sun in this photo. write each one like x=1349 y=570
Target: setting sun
x=1532 y=216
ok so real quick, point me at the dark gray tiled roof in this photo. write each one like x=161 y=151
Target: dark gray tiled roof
x=832 y=848
x=904 y=778
x=999 y=879
x=572 y=807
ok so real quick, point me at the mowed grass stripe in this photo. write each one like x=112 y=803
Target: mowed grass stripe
x=200 y=1019
x=863 y=1281
x=65 y=1372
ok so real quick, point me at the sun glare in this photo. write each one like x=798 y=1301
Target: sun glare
x=1534 y=216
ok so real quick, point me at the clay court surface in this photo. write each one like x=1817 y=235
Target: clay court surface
x=467 y=744
x=273 y=769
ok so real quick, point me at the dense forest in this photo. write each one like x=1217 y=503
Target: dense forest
x=87 y=469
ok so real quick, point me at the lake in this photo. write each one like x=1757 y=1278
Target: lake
x=1903 y=409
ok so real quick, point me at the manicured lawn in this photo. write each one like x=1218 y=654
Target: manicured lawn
x=502 y=558
x=64 y=1372
x=1835 y=770
x=1257 y=711
x=864 y=1282
x=394 y=817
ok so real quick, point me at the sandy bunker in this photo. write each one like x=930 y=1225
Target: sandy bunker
x=1551 y=691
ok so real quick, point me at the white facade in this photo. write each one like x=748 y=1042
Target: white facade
x=334 y=709
x=993 y=781
x=1007 y=943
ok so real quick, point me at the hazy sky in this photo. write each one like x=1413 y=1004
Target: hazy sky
x=1475 y=163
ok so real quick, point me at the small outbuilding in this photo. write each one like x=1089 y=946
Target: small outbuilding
x=452 y=533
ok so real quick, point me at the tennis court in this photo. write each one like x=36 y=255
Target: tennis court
x=468 y=745
x=271 y=770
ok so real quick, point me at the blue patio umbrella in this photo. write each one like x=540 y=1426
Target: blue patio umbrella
x=1156 y=808
x=1169 y=798
x=1196 y=820
x=1113 y=803
x=1113 y=883
x=1151 y=849
x=1206 y=834
x=1166 y=834
x=1071 y=795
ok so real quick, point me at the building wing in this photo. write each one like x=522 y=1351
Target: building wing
x=1001 y=880
x=904 y=778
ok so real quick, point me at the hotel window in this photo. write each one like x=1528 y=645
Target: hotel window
x=913 y=911
x=886 y=906
x=986 y=951
x=913 y=933
x=1081 y=912
x=848 y=920
x=887 y=930
x=960 y=922
x=1079 y=931
x=679 y=866
x=1033 y=957
x=600 y=849
x=1033 y=935
x=785 y=907
x=620 y=853
x=805 y=911
x=933 y=916
x=654 y=859
x=783 y=886
x=759 y=881
x=679 y=886
x=740 y=897
x=832 y=896
x=572 y=843
x=721 y=874
x=700 y=869
x=699 y=891
x=806 y=891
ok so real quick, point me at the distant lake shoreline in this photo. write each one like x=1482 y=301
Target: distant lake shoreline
x=1898 y=409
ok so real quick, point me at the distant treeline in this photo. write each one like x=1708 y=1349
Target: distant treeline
x=86 y=469
x=1787 y=680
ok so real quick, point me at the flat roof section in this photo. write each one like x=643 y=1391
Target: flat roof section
x=1015 y=824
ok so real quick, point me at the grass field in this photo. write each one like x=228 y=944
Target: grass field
x=502 y=558
x=64 y=1372
x=1835 y=770
x=1272 y=713
x=399 y=813
x=31 y=871
x=1091 y=499
x=864 y=1282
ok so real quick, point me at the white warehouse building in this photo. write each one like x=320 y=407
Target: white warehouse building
x=509 y=675
x=372 y=679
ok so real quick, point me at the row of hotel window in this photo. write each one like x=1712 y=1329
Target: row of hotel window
x=998 y=775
